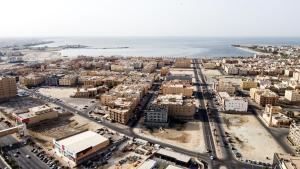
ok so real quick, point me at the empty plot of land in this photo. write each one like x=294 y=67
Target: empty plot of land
x=188 y=135
x=250 y=138
x=64 y=125
x=64 y=94
x=20 y=104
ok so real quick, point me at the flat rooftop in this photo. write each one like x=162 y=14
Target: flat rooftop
x=149 y=164
x=175 y=155
x=82 y=141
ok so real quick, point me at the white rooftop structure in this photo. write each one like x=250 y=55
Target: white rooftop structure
x=149 y=164
x=82 y=141
x=175 y=155
x=173 y=167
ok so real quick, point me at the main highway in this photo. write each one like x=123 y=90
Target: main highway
x=211 y=118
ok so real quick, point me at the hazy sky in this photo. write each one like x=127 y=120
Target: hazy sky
x=35 y=18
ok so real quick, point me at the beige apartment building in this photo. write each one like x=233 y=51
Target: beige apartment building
x=263 y=96
x=31 y=80
x=178 y=107
x=121 y=109
x=164 y=71
x=183 y=63
x=294 y=134
x=36 y=115
x=274 y=117
x=68 y=80
x=223 y=86
x=248 y=84
x=8 y=87
x=292 y=95
x=177 y=87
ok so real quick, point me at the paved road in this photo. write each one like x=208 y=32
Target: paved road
x=26 y=163
x=228 y=159
x=2 y=164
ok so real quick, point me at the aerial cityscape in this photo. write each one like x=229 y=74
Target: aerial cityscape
x=114 y=94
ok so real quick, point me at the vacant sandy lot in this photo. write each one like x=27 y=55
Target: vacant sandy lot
x=189 y=135
x=188 y=71
x=64 y=94
x=64 y=125
x=20 y=104
x=250 y=138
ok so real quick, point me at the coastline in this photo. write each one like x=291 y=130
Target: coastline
x=246 y=49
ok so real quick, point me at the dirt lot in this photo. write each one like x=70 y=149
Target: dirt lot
x=188 y=135
x=63 y=126
x=250 y=138
x=19 y=104
x=64 y=93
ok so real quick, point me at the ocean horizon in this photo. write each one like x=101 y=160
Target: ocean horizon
x=161 y=46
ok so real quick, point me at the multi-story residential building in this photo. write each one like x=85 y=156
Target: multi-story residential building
x=177 y=87
x=178 y=107
x=233 y=104
x=231 y=69
x=157 y=116
x=183 y=63
x=79 y=147
x=8 y=87
x=121 y=110
x=288 y=72
x=183 y=77
x=53 y=80
x=285 y=161
x=164 y=71
x=274 y=118
x=263 y=96
x=36 y=114
x=31 y=80
x=223 y=86
x=68 y=80
x=294 y=134
x=248 y=84
x=90 y=92
x=149 y=67
x=296 y=75
x=292 y=95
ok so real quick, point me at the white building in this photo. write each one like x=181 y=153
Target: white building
x=292 y=95
x=233 y=104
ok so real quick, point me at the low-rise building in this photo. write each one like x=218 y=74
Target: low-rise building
x=292 y=95
x=157 y=116
x=80 y=147
x=248 y=84
x=36 y=114
x=285 y=161
x=274 y=118
x=8 y=88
